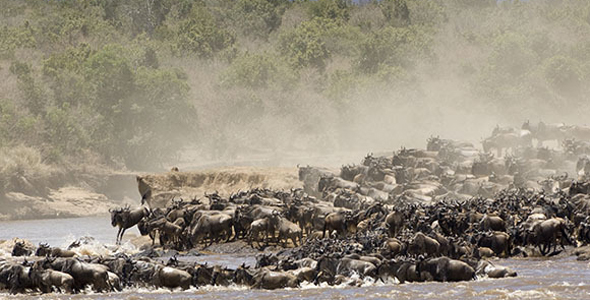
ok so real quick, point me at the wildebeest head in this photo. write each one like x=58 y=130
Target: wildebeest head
x=203 y=275
x=326 y=269
x=243 y=275
x=264 y=260
x=43 y=250
x=115 y=216
x=20 y=249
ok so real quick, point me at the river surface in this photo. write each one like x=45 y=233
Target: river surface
x=561 y=278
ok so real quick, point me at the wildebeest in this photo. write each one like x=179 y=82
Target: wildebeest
x=83 y=273
x=270 y=280
x=289 y=230
x=498 y=241
x=423 y=245
x=492 y=222
x=126 y=218
x=21 y=249
x=546 y=132
x=46 y=280
x=46 y=250
x=510 y=140
x=394 y=222
x=444 y=269
x=547 y=233
x=172 y=278
x=214 y=226
x=487 y=268
x=339 y=221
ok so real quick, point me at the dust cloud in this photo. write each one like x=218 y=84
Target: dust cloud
x=487 y=65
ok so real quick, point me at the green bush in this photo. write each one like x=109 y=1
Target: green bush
x=64 y=132
x=12 y=38
x=396 y=12
x=304 y=46
x=17 y=125
x=257 y=18
x=111 y=77
x=32 y=92
x=395 y=47
x=200 y=35
x=330 y=9
x=257 y=71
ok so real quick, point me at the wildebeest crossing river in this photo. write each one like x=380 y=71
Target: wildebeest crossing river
x=538 y=278
x=451 y=216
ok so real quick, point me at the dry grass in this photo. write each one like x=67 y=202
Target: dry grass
x=24 y=161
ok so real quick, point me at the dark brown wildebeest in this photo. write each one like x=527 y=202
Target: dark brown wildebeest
x=444 y=269
x=126 y=218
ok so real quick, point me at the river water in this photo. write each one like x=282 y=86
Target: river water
x=555 y=278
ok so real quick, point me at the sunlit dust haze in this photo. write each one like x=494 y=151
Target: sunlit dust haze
x=146 y=85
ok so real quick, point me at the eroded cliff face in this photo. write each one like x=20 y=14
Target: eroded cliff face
x=94 y=193
x=159 y=189
x=66 y=195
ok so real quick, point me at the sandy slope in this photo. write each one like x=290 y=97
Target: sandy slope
x=99 y=192
x=226 y=180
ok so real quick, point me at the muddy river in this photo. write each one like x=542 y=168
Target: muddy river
x=561 y=278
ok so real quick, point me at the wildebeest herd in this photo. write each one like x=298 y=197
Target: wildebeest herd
x=434 y=214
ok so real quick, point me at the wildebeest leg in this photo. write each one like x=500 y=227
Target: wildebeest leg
x=122 y=233
x=211 y=238
x=119 y=235
x=228 y=232
x=151 y=235
x=543 y=249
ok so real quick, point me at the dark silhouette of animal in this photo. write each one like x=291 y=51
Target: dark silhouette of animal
x=499 y=242
x=45 y=250
x=444 y=269
x=21 y=249
x=84 y=273
x=423 y=245
x=126 y=218
x=547 y=233
x=46 y=280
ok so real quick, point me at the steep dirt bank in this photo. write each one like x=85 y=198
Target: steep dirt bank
x=65 y=193
x=159 y=189
x=88 y=192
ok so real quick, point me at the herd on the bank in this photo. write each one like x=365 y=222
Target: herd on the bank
x=419 y=215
